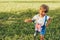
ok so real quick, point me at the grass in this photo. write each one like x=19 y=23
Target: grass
x=12 y=26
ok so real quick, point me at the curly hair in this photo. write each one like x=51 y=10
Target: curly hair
x=45 y=7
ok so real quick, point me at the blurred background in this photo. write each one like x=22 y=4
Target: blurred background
x=9 y=5
x=14 y=12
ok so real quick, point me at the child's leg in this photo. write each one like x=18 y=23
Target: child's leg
x=35 y=34
x=42 y=33
x=41 y=37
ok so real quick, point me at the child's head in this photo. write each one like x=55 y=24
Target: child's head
x=43 y=9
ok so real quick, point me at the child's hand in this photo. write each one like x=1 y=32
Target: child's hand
x=46 y=25
x=26 y=20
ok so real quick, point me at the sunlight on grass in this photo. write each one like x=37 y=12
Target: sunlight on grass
x=29 y=0
x=21 y=6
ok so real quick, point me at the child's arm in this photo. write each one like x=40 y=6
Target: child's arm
x=48 y=22
x=28 y=20
x=31 y=20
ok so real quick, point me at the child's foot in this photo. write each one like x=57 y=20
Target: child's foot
x=34 y=34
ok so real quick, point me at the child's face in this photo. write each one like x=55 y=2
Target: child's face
x=42 y=11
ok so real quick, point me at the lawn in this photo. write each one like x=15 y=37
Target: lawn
x=13 y=27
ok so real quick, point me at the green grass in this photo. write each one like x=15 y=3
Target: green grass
x=12 y=26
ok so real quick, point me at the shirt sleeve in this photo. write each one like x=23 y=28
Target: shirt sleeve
x=34 y=18
x=48 y=17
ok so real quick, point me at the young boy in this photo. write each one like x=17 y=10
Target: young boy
x=41 y=21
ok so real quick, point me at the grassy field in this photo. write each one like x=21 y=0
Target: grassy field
x=22 y=5
x=12 y=26
x=13 y=13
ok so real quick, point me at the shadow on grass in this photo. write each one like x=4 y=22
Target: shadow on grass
x=12 y=25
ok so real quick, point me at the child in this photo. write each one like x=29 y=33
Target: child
x=41 y=21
